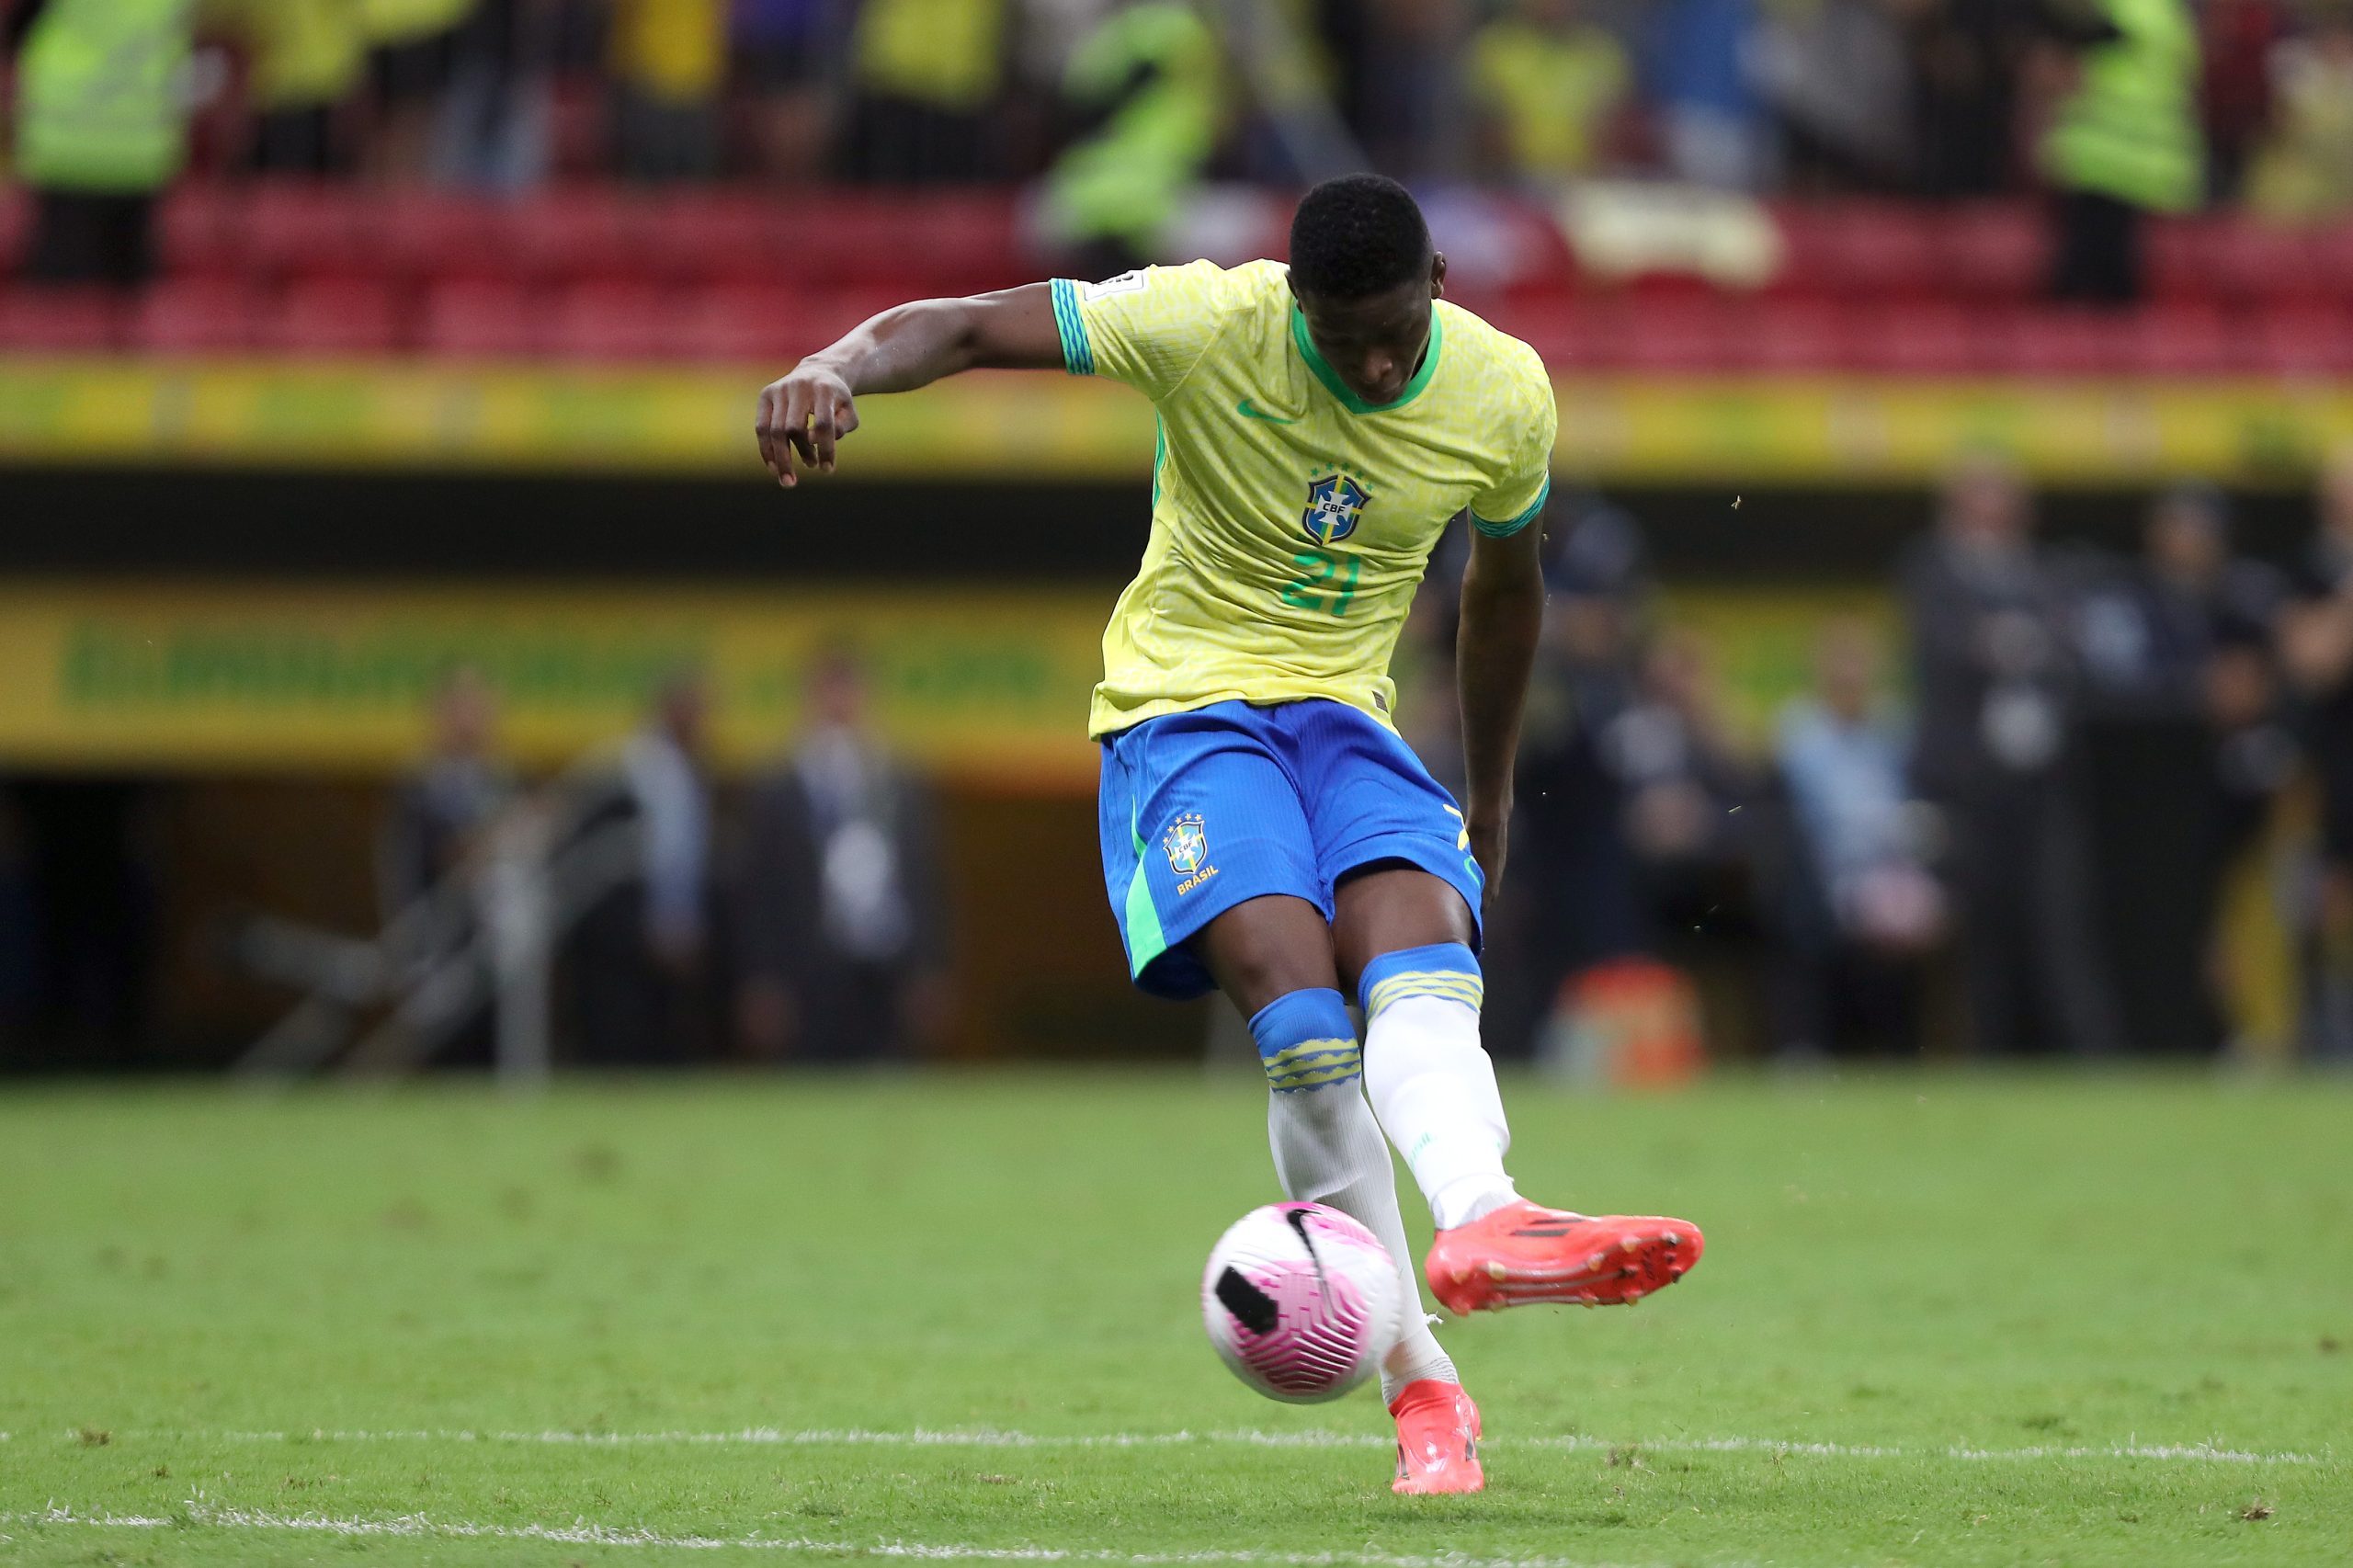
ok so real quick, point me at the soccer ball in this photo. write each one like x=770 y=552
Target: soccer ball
x=1302 y=1301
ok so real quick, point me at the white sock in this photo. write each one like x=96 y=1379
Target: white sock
x=1434 y=1092
x=1328 y=1149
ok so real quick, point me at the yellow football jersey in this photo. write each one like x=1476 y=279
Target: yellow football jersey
x=1292 y=520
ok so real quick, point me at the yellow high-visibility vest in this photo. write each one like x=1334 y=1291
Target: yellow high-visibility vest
x=100 y=104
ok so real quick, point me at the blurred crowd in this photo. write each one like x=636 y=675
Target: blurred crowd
x=2039 y=799
x=1120 y=107
x=2031 y=854
x=795 y=915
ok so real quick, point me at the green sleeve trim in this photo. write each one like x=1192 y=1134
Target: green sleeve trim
x=1506 y=529
x=1078 y=355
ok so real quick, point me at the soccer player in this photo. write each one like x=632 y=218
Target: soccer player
x=1265 y=831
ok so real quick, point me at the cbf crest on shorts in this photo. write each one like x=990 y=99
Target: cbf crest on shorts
x=1333 y=503
x=1188 y=845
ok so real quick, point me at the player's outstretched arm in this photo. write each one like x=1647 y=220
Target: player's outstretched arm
x=1503 y=615
x=810 y=408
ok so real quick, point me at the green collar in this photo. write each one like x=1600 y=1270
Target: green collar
x=1339 y=388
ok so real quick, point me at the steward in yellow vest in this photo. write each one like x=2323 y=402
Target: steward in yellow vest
x=101 y=129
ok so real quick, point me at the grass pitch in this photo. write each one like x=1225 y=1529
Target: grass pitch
x=1941 y=1320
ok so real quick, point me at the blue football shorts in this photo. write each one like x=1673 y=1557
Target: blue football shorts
x=1202 y=809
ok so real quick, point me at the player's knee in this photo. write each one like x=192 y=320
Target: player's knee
x=1447 y=970
x=1307 y=1041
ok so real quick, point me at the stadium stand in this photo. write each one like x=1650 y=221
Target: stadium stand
x=595 y=271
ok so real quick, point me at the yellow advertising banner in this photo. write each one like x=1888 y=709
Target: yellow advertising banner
x=1730 y=429
x=988 y=687
x=984 y=687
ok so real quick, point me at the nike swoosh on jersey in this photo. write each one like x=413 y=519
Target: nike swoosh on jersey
x=1249 y=410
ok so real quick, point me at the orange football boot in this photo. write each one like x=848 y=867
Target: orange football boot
x=1522 y=1254
x=1437 y=1439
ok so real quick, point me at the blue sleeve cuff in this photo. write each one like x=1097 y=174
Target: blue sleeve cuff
x=1078 y=355
x=1511 y=525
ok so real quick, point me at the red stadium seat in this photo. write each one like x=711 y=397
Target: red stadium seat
x=15 y=226
x=196 y=315
x=482 y=321
x=928 y=245
x=433 y=236
x=1857 y=250
x=1790 y=337
x=744 y=326
x=1673 y=337
x=584 y=234
x=2302 y=341
x=701 y=239
x=2257 y=262
x=332 y=317
x=1994 y=250
x=305 y=229
x=966 y=243
x=2332 y=253
x=35 y=319
x=2063 y=341
x=2185 y=339
x=1543 y=323
x=1919 y=339
x=613 y=322
x=1559 y=328
x=199 y=232
x=2173 y=252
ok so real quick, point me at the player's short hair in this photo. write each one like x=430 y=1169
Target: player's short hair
x=1358 y=235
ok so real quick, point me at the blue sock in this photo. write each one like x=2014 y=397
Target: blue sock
x=1306 y=1041
x=1447 y=969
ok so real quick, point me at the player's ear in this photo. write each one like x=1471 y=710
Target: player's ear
x=1438 y=275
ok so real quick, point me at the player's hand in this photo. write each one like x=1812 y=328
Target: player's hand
x=1488 y=836
x=803 y=415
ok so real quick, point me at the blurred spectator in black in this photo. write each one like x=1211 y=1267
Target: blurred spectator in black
x=1991 y=668
x=641 y=958
x=1573 y=900
x=1683 y=783
x=412 y=49
x=88 y=865
x=843 y=943
x=2304 y=170
x=1142 y=96
x=1404 y=101
x=101 y=128
x=1965 y=61
x=927 y=74
x=1859 y=909
x=497 y=124
x=442 y=808
x=1838 y=80
x=19 y=926
x=304 y=62
x=1711 y=127
x=668 y=63
x=2147 y=636
x=2124 y=138
x=2237 y=39
x=2316 y=648
x=788 y=55
x=442 y=815
x=1545 y=85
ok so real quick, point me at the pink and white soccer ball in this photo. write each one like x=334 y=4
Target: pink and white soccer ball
x=1302 y=1301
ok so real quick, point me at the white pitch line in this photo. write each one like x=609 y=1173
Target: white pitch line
x=583 y=1533
x=990 y=1438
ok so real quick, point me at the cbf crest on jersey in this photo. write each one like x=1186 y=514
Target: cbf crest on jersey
x=1333 y=504
x=1188 y=845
